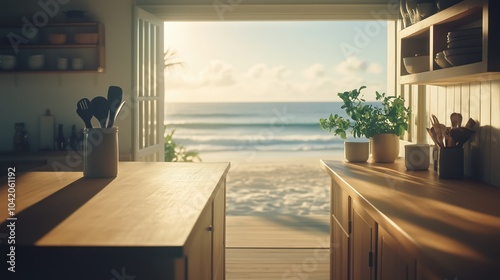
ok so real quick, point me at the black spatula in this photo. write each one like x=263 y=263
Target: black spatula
x=100 y=109
x=84 y=110
x=115 y=96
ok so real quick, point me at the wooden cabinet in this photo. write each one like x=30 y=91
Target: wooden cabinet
x=391 y=223
x=340 y=227
x=199 y=250
x=429 y=37
x=393 y=262
x=364 y=231
x=205 y=252
x=218 y=235
x=72 y=47
x=155 y=221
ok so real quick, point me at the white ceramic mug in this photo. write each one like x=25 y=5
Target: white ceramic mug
x=77 y=64
x=100 y=152
x=417 y=156
x=62 y=63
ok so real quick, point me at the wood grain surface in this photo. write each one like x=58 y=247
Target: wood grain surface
x=147 y=204
x=451 y=226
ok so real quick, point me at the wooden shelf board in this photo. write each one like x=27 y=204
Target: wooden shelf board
x=53 y=72
x=72 y=46
x=453 y=13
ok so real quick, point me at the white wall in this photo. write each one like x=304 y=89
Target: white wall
x=479 y=101
x=26 y=96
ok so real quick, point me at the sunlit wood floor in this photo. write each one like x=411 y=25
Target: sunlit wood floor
x=277 y=247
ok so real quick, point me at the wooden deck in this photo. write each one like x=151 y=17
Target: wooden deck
x=277 y=247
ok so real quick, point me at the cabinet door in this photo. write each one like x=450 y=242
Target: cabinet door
x=363 y=239
x=219 y=228
x=339 y=269
x=392 y=261
x=339 y=229
x=199 y=249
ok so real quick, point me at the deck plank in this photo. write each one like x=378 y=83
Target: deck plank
x=277 y=247
x=277 y=232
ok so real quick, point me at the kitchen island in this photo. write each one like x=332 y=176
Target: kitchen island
x=391 y=223
x=153 y=221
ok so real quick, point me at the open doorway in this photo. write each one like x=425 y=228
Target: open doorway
x=252 y=93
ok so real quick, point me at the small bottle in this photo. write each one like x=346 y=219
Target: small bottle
x=18 y=139
x=60 y=141
x=73 y=139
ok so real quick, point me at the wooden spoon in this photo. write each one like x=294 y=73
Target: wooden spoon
x=456 y=119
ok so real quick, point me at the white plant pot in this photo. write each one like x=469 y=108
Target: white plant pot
x=385 y=147
x=356 y=151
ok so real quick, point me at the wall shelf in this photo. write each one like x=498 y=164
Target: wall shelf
x=93 y=55
x=429 y=37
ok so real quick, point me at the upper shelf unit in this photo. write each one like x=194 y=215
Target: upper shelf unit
x=476 y=58
x=73 y=47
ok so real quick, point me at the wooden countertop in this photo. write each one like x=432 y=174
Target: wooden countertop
x=148 y=204
x=452 y=224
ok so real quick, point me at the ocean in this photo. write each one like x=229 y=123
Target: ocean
x=263 y=127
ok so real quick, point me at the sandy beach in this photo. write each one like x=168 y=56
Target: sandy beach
x=276 y=183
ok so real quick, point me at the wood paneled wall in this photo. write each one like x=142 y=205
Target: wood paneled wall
x=479 y=101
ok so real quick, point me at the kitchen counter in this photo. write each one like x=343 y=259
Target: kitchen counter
x=41 y=160
x=149 y=211
x=451 y=227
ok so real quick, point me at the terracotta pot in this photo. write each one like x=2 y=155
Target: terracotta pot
x=385 y=147
x=356 y=151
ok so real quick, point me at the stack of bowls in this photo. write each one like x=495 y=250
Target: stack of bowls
x=464 y=46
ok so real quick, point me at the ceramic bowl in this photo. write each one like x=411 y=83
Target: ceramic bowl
x=36 y=62
x=462 y=59
x=7 y=62
x=441 y=60
x=462 y=51
x=86 y=38
x=444 y=4
x=416 y=64
x=57 y=38
x=426 y=9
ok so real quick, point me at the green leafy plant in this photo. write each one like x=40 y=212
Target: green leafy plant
x=177 y=153
x=367 y=119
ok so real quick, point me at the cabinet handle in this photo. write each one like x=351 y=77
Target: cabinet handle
x=210 y=228
x=370 y=259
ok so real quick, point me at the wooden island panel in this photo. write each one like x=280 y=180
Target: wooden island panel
x=144 y=220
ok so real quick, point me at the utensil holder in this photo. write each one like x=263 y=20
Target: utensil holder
x=417 y=157
x=451 y=163
x=100 y=152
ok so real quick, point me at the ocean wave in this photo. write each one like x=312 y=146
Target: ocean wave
x=229 y=125
x=278 y=148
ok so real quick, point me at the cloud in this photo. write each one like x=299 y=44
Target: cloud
x=374 y=68
x=351 y=64
x=316 y=70
x=262 y=71
x=216 y=74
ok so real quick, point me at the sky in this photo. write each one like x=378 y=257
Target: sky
x=274 y=61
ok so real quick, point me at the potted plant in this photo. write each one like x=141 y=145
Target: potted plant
x=382 y=123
